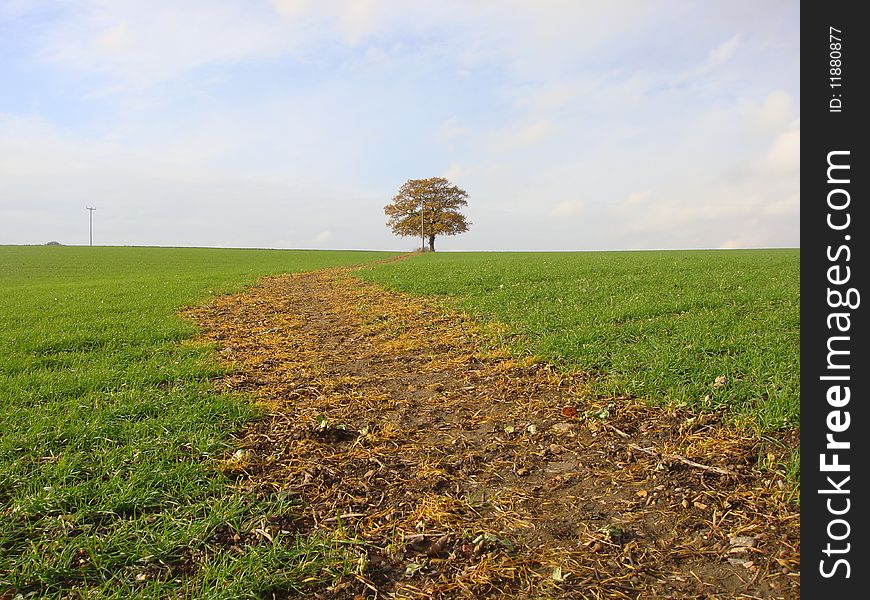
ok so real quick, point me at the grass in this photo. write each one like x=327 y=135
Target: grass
x=110 y=427
x=109 y=431
x=657 y=325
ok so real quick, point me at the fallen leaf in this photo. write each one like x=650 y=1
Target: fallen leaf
x=439 y=546
x=563 y=427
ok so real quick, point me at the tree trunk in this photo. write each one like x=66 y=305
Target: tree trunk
x=431 y=243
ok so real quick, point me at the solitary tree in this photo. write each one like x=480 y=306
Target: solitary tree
x=426 y=208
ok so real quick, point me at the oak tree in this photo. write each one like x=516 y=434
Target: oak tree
x=434 y=201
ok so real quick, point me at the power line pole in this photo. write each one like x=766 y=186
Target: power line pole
x=91 y=210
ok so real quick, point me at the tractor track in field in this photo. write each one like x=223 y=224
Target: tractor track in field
x=455 y=470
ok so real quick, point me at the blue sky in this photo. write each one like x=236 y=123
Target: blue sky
x=573 y=125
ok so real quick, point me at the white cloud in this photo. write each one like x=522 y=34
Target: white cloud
x=239 y=103
x=747 y=207
x=322 y=237
x=290 y=8
x=717 y=57
x=357 y=19
x=782 y=206
x=567 y=208
x=549 y=96
x=141 y=44
x=352 y=20
x=785 y=154
x=776 y=112
x=525 y=134
x=636 y=198
x=455 y=172
x=114 y=39
x=147 y=43
x=451 y=128
x=167 y=193
x=723 y=52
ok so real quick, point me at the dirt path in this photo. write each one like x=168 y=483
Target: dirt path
x=464 y=473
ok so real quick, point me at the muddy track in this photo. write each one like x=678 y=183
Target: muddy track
x=461 y=472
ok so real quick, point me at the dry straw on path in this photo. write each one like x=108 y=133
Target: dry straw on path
x=454 y=470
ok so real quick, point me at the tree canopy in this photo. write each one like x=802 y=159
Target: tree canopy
x=436 y=201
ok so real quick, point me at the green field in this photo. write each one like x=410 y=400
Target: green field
x=108 y=424
x=657 y=325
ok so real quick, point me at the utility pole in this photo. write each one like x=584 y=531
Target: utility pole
x=422 y=237
x=91 y=210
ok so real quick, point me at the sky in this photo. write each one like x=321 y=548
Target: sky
x=572 y=124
